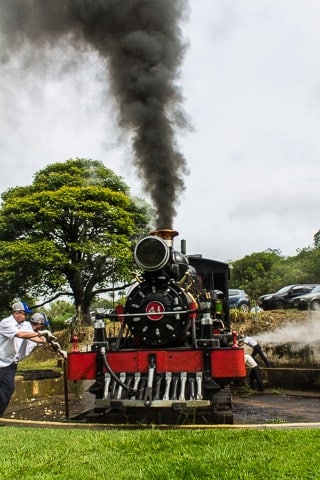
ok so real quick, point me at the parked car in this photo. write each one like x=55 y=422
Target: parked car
x=239 y=299
x=284 y=297
x=311 y=299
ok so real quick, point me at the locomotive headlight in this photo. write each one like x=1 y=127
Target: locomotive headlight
x=151 y=253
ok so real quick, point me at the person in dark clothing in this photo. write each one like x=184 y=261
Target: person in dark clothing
x=255 y=379
x=256 y=349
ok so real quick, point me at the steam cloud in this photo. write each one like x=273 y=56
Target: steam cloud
x=306 y=333
x=141 y=44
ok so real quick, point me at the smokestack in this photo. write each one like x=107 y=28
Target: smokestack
x=141 y=45
x=183 y=247
x=166 y=234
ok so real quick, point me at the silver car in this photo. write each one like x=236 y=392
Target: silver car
x=309 y=300
x=239 y=299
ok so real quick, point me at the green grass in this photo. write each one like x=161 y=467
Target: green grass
x=159 y=455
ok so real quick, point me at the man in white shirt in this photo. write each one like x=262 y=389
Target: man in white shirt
x=24 y=348
x=256 y=349
x=10 y=329
x=254 y=373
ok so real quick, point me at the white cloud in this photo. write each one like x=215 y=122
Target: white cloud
x=251 y=82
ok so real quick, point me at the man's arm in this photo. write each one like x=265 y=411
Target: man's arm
x=34 y=336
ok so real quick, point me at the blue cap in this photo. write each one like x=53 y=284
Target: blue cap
x=21 y=306
x=26 y=308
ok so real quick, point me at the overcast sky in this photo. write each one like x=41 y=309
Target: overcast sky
x=251 y=82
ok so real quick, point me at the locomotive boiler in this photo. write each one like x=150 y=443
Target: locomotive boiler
x=174 y=356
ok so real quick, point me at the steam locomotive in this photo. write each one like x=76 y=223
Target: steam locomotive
x=174 y=356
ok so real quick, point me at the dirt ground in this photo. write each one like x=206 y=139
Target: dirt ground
x=280 y=407
x=249 y=408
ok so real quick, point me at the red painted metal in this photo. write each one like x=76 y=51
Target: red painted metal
x=81 y=366
x=227 y=363
x=234 y=339
x=75 y=340
x=166 y=361
x=193 y=310
x=119 y=312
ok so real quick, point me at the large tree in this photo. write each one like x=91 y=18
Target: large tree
x=69 y=233
x=256 y=273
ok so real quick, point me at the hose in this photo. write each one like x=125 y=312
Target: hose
x=130 y=390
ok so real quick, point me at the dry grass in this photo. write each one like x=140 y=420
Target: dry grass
x=266 y=321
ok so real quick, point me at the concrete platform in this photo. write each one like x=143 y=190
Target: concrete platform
x=292 y=378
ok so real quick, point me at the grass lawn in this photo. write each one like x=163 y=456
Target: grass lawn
x=31 y=453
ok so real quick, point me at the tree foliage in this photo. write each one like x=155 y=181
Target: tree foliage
x=268 y=271
x=70 y=232
x=253 y=272
x=316 y=239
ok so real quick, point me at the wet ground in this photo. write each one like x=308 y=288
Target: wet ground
x=51 y=409
x=249 y=408
x=279 y=407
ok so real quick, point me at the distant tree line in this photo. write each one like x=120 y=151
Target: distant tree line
x=268 y=271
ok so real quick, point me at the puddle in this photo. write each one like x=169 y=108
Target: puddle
x=27 y=389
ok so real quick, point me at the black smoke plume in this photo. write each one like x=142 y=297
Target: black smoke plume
x=141 y=43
